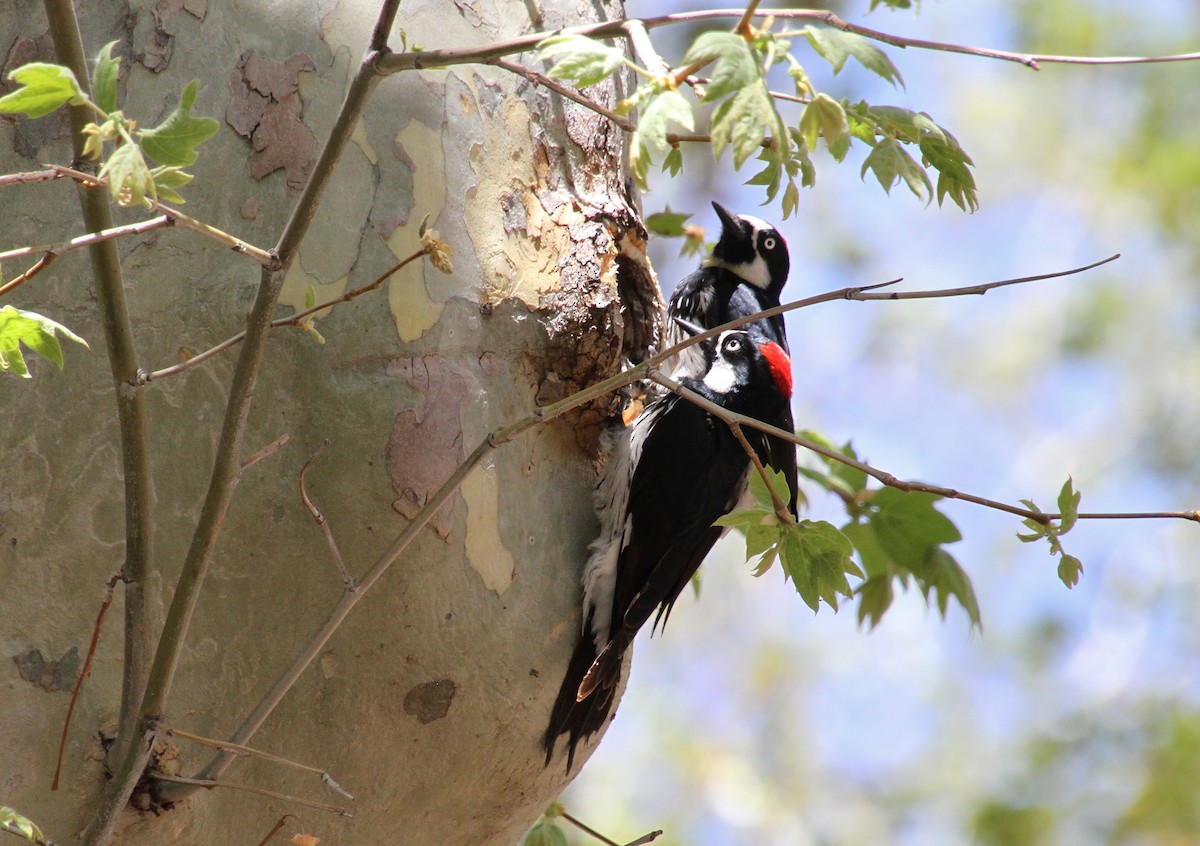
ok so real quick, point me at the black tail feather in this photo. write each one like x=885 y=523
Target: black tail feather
x=578 y=719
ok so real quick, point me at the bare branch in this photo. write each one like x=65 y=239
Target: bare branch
x=586 y=829
x=263 y=257
x=84 y=673
x=30 y=177
x=538 y=78
x=732 y=418
x=267 y=451
x=53 y=251
x=440 y=58
x=277 y=828
x=248 y=751
x=249 y=788
x=343 y=570
x=294 y=320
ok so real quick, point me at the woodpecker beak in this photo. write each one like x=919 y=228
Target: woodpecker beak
x=687 y=326
x=728 y=219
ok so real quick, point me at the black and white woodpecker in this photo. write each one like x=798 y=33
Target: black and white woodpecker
x=670 y=474
x=745 y=274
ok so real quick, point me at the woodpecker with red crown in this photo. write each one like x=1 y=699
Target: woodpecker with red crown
x=745 y=274
x=670 y=475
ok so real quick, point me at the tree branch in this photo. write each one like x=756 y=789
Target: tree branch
x=440 y=58
x=52 y=251
x=132 y=423
x=347 y=578
x=248 y=788
x=293 y=320
x=183 y=220
x=732 y=419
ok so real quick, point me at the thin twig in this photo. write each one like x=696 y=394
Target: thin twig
x=84 y=673
x=587 y=829
x=32 y=271
x=267 y=451
x=249 y=788
x=440 y=58
x=732 y=418
x=537 y=78
x=278 y=828
x=742 y=27
x=185 y=221
x=30 y=177
x=781 y=509
x=297 y=319
x=250 y=751
x=326 y=529
x=53 y=251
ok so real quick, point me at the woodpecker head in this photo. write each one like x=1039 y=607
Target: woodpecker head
x=751 y=249
x=743 y=368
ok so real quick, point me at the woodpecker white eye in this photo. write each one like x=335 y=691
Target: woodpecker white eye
x=733 y=345
x=768 y=243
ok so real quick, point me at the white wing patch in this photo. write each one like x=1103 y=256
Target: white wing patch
x=611 y=499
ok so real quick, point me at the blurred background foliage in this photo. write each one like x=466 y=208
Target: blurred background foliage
x=1074 y=717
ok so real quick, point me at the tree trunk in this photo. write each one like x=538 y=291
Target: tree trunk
x=429 y=702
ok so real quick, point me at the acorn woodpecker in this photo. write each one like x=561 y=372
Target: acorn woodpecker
x=745 y=274
x=670 y=474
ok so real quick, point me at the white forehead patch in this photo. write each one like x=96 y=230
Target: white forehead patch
x=756 y=223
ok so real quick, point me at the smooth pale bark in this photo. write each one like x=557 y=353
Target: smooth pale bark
x=428 y=704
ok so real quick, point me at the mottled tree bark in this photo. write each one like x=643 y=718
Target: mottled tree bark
x=429 y=702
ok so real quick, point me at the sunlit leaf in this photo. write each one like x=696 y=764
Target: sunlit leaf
x=43 y=88
x=658 y=111
x=1070 y=569
x=736 y=67
x=667 y=223
x=35 y=332
x=173 y=142
x=581 y=60
x=128 y=175
x=836 y=46
x=104 y=78
x=816 y=557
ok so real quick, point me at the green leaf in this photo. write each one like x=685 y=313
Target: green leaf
x=166 y=180
x=824 y=118
x=816 y=557
x=890 y=164
x=129 y=177
x=44 y=88
x=310 y=297
x=743 y=120
x=659 y=110
x=1070 y=569
x=736 y=66
x=667 y=223
x=36 y=332
x=673 y=163
x=909 y=527
x=583 y=61
x=1068 y=506
x=762 y=496
x=173 y=142
x=22 y=826
x=946 y=578
x=836 y=46
x=875 y=597
x=104 y=78
x=545 y=833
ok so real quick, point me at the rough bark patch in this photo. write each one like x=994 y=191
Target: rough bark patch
x=265 y=107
